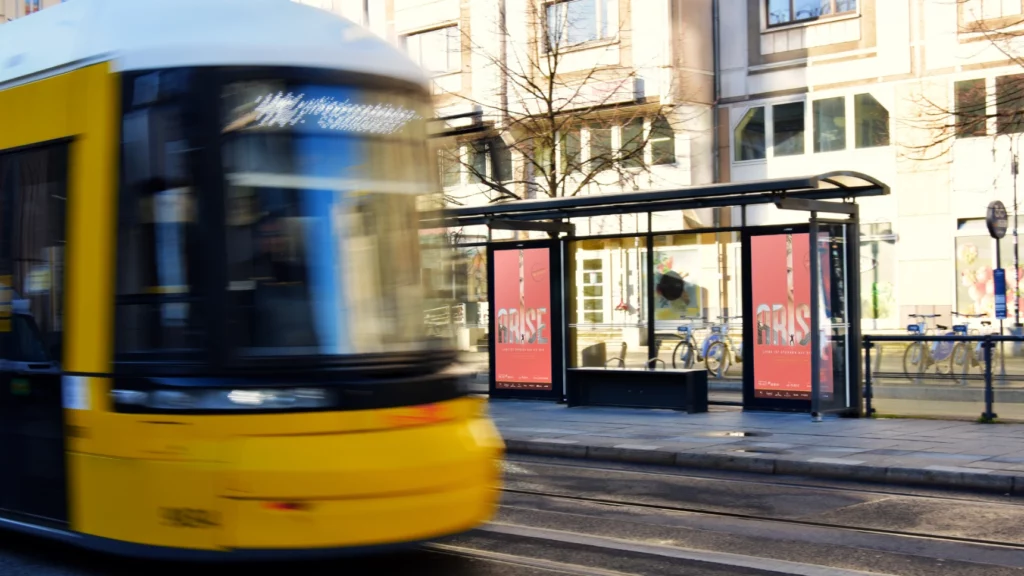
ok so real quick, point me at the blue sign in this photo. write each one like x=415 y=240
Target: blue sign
x=999 y=281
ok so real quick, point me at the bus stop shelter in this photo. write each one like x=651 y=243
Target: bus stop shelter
x=795 y=303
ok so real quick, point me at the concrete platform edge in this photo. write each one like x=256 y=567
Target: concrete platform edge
x=984 y=480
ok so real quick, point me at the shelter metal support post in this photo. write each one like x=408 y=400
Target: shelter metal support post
x=815 y=323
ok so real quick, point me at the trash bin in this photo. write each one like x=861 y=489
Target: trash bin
x=594 y=355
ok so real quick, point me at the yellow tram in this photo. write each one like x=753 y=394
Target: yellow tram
x=211 y=313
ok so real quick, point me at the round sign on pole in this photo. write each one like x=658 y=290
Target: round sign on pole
x=996 y=220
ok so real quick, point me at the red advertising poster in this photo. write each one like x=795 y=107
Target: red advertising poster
x=781 y=281
x=522 y=304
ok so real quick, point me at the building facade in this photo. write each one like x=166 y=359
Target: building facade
x=731 y=90
x=878 y=86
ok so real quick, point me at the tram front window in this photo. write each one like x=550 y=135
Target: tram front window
x=322 y=227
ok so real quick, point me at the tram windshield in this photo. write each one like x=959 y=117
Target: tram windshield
x=321 y=186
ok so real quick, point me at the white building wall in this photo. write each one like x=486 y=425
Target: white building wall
x=919 y=51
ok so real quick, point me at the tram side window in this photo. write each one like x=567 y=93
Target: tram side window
x=33 y=212
x=157 y=277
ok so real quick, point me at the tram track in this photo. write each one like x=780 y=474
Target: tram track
x=735 y=503
x=761 y=518
x=640 y=470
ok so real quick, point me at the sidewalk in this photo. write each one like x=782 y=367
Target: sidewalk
x=950 y=454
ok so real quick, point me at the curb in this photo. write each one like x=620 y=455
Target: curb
x=984 y=481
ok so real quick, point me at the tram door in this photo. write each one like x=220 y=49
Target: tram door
x=33 y=477
x=32 y=415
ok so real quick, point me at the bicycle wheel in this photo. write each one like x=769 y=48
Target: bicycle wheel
x=913 y=360
x=960 y=363
x=683 y=355
x=717 y=360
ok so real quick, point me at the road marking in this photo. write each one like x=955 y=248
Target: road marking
x=958 y=469
x=836 y=461
x=637 y=447
x=720 y=558
x=548 y=565
x=554 y=441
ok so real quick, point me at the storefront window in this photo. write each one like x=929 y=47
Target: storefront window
x=975 y=259
x=878 y=276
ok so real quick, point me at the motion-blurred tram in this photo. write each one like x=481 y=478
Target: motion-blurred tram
x=212 y=337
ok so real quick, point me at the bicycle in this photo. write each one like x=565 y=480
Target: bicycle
x=968 y=355
x=921 y=356
x=686 y=350
x=965 y=354
x=719 y=348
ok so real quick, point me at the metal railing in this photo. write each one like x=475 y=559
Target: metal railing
x=966 y=346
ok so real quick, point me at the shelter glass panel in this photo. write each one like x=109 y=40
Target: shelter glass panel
x=608 y=305
x=698 y=304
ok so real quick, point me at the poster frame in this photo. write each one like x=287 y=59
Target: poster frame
x=750 y=399
x=557 y=323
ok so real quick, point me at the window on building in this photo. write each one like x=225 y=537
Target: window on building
x=663 y=142
x=486 y=159
x=437 y=51
x=970 y=99
x=749 y=136
x=501 y=160
x=790 y=11
x=571 y=152
x=450 y=167
x=632 y=150
x=477 y=168
x=872 y=121
x=601 y=150
x=830 y=124
x=1010 y=104
x=788 y=129
x=592 y=284
x=979 y=10
x=571 y=22
x=542 y=157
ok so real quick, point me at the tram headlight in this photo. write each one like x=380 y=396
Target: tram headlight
x=204 y=399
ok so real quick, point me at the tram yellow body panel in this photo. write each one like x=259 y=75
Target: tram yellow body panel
x=377 y=486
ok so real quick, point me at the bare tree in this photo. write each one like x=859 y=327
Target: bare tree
x=541 y=103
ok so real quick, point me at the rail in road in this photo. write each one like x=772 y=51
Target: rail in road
x=734 y=523
x=579 y=518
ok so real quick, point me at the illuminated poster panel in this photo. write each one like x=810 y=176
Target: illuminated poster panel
x=781 y=290
x=522 y=303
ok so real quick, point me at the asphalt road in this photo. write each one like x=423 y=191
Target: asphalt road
x=564 y=517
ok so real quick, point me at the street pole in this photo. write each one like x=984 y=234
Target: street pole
x=1016 y=251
